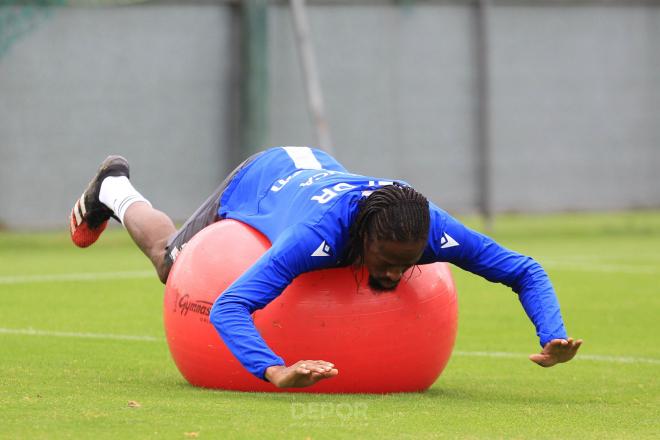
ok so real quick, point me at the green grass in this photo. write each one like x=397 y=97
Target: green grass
x=605 y=268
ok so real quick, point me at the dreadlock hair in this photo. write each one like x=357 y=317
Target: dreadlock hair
x=393 y=212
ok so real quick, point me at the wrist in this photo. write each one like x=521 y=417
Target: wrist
x=272 y=372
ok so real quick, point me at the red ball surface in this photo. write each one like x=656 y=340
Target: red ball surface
x=381 y=342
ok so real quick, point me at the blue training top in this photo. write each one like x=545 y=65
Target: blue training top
x=304 y=201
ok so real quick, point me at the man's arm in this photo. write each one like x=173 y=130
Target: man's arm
x=258 y=286
x=481 y=255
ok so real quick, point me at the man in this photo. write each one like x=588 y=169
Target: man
x=317 y=215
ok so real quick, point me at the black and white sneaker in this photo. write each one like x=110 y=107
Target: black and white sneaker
x=89 y=216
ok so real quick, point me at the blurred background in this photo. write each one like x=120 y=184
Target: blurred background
x=485 y=106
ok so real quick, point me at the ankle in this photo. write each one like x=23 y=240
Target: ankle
x=118 y=194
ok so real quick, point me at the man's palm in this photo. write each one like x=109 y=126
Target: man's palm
x=557 y=351
x=303 y=374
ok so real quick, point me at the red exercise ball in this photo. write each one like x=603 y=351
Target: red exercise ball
x=380 y=342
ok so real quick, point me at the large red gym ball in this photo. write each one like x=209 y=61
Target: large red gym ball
x=380 y=342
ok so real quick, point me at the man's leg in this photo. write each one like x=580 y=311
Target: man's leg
x=111 y=194
x=150 y=229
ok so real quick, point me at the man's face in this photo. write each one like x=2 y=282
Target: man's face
x=387 y=260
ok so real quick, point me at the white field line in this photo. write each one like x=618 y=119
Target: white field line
x=491 y=354
x=581 y=266
x=584 y=357
x=89 y=276
x=34 y=332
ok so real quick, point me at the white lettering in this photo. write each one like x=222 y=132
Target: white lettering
x=283 y=182
x=327 y=410
x=318 y=176
x=360 y=410
x=298 y=410
x=340 y=187
x=380 y=183
x=314 y=178
x=325 y=197
x=328 y=194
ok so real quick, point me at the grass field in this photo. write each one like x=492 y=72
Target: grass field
x=65 y=372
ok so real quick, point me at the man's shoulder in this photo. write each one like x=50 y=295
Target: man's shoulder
x=304 y=247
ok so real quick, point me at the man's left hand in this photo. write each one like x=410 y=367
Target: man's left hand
x=556 y=351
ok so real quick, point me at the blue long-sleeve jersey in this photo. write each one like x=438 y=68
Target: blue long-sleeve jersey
x=304 y=201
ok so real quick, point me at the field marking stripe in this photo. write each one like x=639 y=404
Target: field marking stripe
x=584 y=357
x=89 y=276
x=35 y=332
x=491 y=354
x=135 y=274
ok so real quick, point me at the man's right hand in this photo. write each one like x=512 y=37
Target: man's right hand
x=301 y=374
